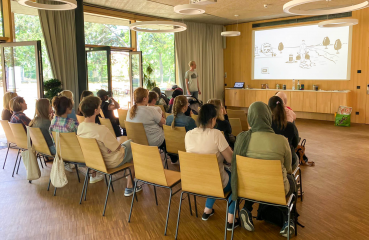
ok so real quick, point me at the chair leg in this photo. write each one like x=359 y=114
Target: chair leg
x=41 y=161
x=226 y=221
x=19 y=161
x=194 y=196
x=234 y=217
x=15 y=165
x=179 y=214
x=166 y=223
x=55 y=191
x=156 y=198
x=134 y=187
x=88 y=179
x=6 y=156
x=107 y=194
x=106 y=180
x=48 y=186
x=44 y=160
x=133 y=199
x=83 y=189
x=189 y=202
x=112 y=187
x=288 y=224
x=301 y=185
x=79 y=180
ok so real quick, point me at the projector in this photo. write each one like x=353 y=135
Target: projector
x=203 y=2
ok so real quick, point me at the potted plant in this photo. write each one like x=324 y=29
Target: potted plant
x=149 y=83
x=52 y=87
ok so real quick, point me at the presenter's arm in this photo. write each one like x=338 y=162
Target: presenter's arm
x=188 y=89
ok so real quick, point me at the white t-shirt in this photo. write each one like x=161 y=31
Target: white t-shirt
x=110 y=148
x=192 y=80
x=150 y=118
x=157 y=109
x=208 y=141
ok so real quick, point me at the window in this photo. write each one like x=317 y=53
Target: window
x=1 y=20
x=158 y=51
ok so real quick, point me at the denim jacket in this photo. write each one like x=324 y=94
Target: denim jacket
x=182 y=121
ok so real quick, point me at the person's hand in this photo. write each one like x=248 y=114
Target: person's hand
x=188 y=93
x=199 y=91
x=224 y=111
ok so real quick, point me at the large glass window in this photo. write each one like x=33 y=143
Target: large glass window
x=158 y=50
x=1 y=20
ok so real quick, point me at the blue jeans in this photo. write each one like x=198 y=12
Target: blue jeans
x=195 y=94
x=210 y=202
x=52 y=150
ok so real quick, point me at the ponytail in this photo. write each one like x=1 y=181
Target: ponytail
x=139 y=94
x=179 y=103
x=279 y=113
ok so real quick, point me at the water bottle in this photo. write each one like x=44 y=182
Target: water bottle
x=293 y=84
x=298 y=85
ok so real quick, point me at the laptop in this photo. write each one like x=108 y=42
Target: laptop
x=239 y=85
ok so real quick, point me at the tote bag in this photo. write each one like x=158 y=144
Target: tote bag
x=57 y=175
x=30 y=160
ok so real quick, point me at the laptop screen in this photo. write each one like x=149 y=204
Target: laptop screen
x=239 y=84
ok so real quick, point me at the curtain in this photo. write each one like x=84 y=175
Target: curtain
x=58 y=28
x=202 y=43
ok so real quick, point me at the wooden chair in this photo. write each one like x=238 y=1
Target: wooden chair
x=20 y=139
x=200 y=176
x=261 y=181
x=107 y=123
x=9 y=138
x=195 y=117
x=39 y=144
x=149 y=170
x=167 y=114
x=174 y=139
x=136 y=132
x=94 y=161
x=122 y=113
x=241 y=115
x=236 y=126
x=161 y=107
x=80 y=119
x=102 y=113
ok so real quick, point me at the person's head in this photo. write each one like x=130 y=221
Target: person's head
x=219 y=106
x=68 y=94
x=174 y=86
x=157 y=90
x=279 y=113
x=103 y=95
x=62 y=105
x=84 y=94
x=90 y=106
x=43 y=110
x=153 y=98
x=6 y=99
x=140 y=96
x=283 y=96
x=180 y=105
x=207 y=116
x=192 y=64
x=176 y=93
x=19 y=104
x=259 y=117
x=11 y=104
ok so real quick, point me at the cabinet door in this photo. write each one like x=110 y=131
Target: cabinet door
x=309 y=102
x=323 y=102
x=339 y=99
x=228 y=97
x=250 y=96
x=296 y=101
x=261 y=95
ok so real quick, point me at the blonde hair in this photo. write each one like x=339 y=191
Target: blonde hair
x=17 y=107
x=6 y=99
x=218 y=105
x=68 y=94
x=179 y=103
x=139 y=94
x=42 y=110
x=11 y=104
x=190 y=64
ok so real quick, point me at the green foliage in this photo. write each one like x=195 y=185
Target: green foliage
x=107 y=35
x=149 y=83
x=52 y=88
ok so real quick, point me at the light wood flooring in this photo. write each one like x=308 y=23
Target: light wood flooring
x=336 y=200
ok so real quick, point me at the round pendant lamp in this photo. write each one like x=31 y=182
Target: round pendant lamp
x=66 y=5
x=189 y=9
x=158 y=26
x=231 y=33
x=338 y=23
x=287 y=8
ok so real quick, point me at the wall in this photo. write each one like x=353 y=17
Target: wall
x=237 y=64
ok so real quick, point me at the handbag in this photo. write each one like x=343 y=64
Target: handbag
x=57 y=174
x=300 y=151
x=30 y=160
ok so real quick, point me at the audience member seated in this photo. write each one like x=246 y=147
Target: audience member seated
x=223 y=122
x=151 y=119
x=178 y=118
x=178 y=92
x=260 y=142
x=108 y=105
x=7 y=113
x=282 y=127
x=153 y=98
x=114 y=154
x=19 y=106
x=163 y=100
x=207 y=140
x=84 y=94
x=42 y=121
x=291 y=116
x=69 y=94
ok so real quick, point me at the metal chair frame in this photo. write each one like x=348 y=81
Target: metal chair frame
x=298 y=169
x=12 y=147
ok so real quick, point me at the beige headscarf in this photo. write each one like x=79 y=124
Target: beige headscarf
x=291 y=116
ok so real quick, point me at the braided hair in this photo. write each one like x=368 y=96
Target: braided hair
x=179 y=103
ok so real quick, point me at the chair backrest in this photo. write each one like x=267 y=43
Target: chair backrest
x=122 y=113
x=8 y=132
x=148 y=164
x=241 y=115
x=200 y=174
x=107 y=123
x=195 y=117
x=38 y=141
x=91 y=153
x=236 y=125
x=161 y=107
x=19 y=134
x=69 y=150
x=260 y=180
x=136 y=132
x=80 y=119
x=167 y=114
x=174 y=139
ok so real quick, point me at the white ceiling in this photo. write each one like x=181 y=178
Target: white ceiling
x=220 y=13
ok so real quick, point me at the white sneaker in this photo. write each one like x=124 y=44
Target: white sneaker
x=72 y=166
x=67 y=168
x=96 y=179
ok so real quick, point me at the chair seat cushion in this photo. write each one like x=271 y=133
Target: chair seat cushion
x=172 y=177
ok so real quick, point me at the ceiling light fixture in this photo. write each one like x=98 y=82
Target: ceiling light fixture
x=189 y=9
x=158 y=26
x=231 y=33
x=67 y=5
x=338 y=23
x=287 y=8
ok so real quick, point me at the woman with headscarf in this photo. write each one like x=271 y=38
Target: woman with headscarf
x=291 y=116
x=260 y=142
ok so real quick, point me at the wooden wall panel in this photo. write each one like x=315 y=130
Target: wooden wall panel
x=238 y=64
x=297 y=99
x=261 y=96
x=323 y=102
x=309 y=102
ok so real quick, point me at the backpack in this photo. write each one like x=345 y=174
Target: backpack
x=300 y=151
x=166 y=99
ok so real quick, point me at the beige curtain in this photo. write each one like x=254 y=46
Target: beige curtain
x=58 y=28
x=203 y=44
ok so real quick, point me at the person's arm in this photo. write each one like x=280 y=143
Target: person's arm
x=188 y=89
x=158 y=118
x=287 y=156
x=114 y=105
x=227 y=154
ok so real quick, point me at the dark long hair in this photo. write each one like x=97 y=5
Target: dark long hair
x=206 y=114
x=279 y=113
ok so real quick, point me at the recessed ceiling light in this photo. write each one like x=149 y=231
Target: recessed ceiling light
x=189 y=9
x=338 y=23
x=68 y=5
x=158 y=26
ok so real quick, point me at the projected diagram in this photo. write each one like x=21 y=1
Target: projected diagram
x=310 y=54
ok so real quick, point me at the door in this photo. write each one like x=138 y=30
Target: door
x=136 y=76
x=22 y=72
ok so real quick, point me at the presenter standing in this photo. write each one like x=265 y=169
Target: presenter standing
x=192 y=81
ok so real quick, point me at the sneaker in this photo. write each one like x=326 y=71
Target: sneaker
x=72 y=166
x=96 y=179
x=129 y=191
x=246 y=220
x=284 y=230
x=206 y=216
x=67 y=168
x=236 y=225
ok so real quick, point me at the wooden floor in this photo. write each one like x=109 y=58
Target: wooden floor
x=336 y=203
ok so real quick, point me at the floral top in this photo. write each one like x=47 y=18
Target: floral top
x=20 y=117
x=63 y=125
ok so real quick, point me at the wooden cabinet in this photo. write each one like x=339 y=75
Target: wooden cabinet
x=261 y=95
x=339 y=99
x=323 y=102
x=250 y=96
x=309 y=102
x=235 y=97
x=296 y=101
